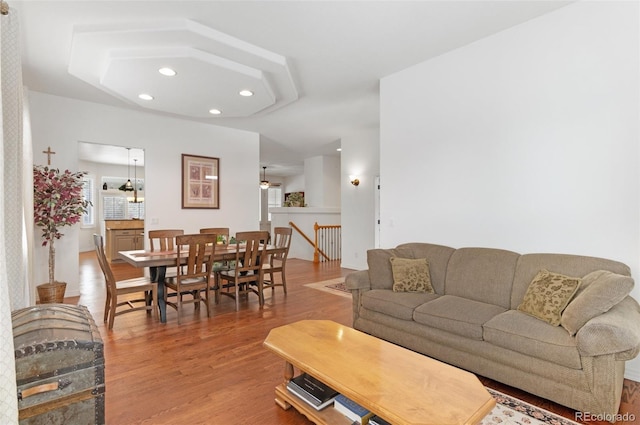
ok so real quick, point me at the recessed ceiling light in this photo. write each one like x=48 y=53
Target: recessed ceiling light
x=246 y=93
x=167 y=72
x=339 y=149
x=215 y=111
x=145 y=96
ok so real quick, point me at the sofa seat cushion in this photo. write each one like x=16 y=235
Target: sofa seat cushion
x=396 y=304
x=525 y=334
x=457 y=315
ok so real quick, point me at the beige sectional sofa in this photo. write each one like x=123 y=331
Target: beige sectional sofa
x=472 y=319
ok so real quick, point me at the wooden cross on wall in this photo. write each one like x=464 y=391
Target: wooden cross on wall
x=49 y=152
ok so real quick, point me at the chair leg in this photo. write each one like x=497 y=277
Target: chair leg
x=196 y=300
x=237 y=288
x=261 y=291
x=112 y=311
x=179 y=304
x=284 y=280
x=272 y=282
x=207 y=294
x=107 y=306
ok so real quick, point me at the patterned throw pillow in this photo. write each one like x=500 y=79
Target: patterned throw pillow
x=547 y=295
x=411 y=275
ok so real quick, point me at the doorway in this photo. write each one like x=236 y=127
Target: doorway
x=108 y=168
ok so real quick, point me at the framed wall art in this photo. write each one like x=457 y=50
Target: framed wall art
x=200 y=182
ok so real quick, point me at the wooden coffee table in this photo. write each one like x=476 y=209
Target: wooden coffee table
x=400 y=385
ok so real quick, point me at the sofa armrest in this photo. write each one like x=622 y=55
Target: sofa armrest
x=614 y=332
x=358 y=280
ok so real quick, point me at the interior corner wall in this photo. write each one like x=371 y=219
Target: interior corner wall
x=527 y=140
x=359 y=157
x=294 y=184
x=331 y=178
x=61 y=123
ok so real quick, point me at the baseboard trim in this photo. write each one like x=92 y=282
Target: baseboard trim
x=632 y=373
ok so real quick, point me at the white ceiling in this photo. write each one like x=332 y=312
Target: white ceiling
x=314 y=66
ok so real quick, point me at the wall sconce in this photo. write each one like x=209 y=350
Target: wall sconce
x=354 y=180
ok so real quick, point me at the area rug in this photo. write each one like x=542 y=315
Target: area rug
x=332 y=286
x=511 y=411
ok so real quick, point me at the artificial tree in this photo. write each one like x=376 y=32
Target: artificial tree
x=57 y=202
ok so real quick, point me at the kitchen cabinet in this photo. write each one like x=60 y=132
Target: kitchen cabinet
x=123 y=235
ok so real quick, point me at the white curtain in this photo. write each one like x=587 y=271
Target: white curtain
x=16 y=206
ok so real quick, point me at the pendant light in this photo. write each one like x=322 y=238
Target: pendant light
x=135 y=179
x=128 y=185
x=264 y=184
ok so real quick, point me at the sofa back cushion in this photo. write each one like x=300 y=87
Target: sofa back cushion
x=482 y=274
x=438 y=257
x=380 y=273
x=571 y=265
x=599 y=291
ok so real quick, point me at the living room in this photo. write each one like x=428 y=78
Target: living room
x=525 y=140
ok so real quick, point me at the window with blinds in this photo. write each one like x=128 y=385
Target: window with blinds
x=88 y=219
x=274 y=198
x=115 y=207
x=136 y=209
x=119 y=208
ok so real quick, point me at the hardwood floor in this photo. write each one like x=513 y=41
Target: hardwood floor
x=215 y=371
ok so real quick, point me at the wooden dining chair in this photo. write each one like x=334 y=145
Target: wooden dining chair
x=246 y=274
x=195 y=256
x=164 y=240
x=118 y=291
x=278 y=260
x=223 y=239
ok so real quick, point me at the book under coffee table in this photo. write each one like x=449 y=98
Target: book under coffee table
x=397 y=384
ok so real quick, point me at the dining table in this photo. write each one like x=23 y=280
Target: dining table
x=158 y=261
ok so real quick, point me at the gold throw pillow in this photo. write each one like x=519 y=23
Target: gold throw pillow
x=411 y=275
x=547 y=296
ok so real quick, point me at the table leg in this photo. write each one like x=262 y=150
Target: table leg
x=281 y=390
x=288 y=372
x=157 y=275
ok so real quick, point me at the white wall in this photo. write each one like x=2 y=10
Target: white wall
x=322 y=181
x=60 y=123
x=526 y=140
x=293 y=184
x=360 y=157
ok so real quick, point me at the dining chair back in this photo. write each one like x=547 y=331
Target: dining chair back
x=246 y=275
x=278 y=260
x=163 y=240
x=222 y=232
x=195 y=257
x=117 y=290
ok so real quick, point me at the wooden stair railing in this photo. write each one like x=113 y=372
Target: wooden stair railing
x=329 y=235
x=329 y=243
